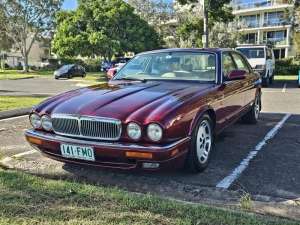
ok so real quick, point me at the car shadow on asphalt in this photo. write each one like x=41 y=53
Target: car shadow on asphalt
x=231 y=147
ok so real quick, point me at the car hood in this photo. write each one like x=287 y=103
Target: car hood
x=129 y=101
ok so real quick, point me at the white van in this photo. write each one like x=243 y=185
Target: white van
x=262 y=60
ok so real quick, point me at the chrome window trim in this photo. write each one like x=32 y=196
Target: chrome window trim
x=79 y=118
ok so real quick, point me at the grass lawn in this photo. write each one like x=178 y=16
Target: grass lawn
x=92 y=78
x=286 y=77
x=16 y=74
x=12 y=102
x=28 y=200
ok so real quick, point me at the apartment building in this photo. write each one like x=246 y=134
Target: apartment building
x=266 y=22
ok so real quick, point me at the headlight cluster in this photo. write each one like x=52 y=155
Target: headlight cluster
x=154 y=131
x=41 y=122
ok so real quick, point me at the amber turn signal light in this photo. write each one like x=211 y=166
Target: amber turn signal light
x=174 y=152
x=34 y=140
x=143 y=155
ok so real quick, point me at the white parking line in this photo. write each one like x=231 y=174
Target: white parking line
x=13 y=118
x=8 y=159
x=235 y=174
x=284 y=88
x=24 y=153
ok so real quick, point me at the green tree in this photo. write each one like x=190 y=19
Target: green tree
x=24 y=21
x=213 y=11
x=103 y=28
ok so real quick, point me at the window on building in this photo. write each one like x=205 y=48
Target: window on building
x=279 y=53
x=249 y=21
x=274 y=18
x=275 y=37
x=244 y=4
x=250 y=38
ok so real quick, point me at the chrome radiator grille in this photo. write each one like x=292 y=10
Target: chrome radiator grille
x=87 y=127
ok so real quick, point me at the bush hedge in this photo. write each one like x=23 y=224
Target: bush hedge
x=287 y=67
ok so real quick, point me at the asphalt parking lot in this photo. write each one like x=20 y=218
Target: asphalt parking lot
x=43 y=86
x=268 y=153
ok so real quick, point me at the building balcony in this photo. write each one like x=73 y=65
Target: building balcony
x=275 y=41
x=244 y=4
x=276 y=23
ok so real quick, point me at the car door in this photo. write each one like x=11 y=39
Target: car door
x=247 y=84
x=233 y=100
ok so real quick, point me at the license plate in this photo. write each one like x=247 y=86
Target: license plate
x=77 y=152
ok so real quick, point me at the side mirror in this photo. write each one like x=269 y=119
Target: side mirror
x=237 y=75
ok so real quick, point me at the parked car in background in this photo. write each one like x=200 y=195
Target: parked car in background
x=262 y=60
x=69 y=71
x=113 y=71
x=106 y=65
x=162 y=110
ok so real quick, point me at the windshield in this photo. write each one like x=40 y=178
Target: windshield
x=199 y=66
x=65 y=67
x=253 y=53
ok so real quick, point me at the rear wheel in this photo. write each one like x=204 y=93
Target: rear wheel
x=252 y=116
x=201 y=146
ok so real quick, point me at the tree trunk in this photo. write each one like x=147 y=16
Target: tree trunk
x=205 y=21
x=25 y=64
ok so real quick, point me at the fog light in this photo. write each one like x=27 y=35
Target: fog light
x=150 y=165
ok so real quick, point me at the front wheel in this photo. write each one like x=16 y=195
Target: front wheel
x=201 y=146
x=252 y=116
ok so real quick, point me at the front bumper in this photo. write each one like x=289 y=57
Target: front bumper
x=111 y=154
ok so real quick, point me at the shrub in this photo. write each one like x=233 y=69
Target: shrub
x=287 y=67
x=92 y=65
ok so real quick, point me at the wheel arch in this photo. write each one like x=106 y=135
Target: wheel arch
x=207 y=110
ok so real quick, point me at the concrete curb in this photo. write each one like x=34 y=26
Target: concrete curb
x=14 y=113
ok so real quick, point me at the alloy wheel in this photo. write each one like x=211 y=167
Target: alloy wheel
x=204 y=141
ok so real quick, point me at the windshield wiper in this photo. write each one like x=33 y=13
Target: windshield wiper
x=132 y=79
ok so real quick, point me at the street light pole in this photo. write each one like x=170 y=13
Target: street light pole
x=205 y=24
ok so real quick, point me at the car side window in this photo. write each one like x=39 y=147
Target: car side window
x=240 y=62
x=227 y=64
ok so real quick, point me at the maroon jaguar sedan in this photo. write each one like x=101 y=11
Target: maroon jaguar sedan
x=161 y=110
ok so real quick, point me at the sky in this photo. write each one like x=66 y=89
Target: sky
x=70 y=4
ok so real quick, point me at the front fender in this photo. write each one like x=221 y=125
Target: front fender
x=206 y=109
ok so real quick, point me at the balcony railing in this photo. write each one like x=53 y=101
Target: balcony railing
x=244 y=24
x=239 y=5
x=273 y=23
x=275 y=41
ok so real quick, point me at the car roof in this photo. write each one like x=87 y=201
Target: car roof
x=252 y=46
x=212 y=50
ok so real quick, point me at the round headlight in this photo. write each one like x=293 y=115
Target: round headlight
x=46 y=123
x=134 y=131
x=154 y=132
x=35 y=120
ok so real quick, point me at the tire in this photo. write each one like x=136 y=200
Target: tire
x=253 y=115
x=201 y=146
